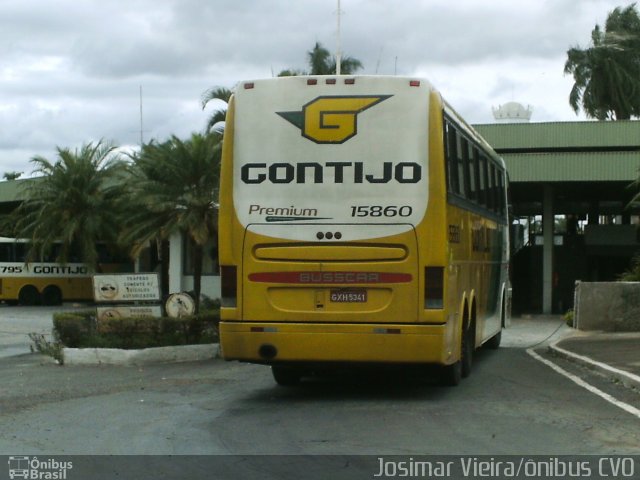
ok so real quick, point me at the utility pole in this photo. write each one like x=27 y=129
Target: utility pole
x=338 y=46
x=141 y=125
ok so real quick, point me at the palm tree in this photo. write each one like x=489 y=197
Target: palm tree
x=74 y=204
x=607 y=74
x=217 y=118
x=321 y=62
x=174 y=188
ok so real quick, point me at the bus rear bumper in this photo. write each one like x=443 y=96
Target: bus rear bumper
x=270 y=343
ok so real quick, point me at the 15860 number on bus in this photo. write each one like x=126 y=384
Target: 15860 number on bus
x=388 y=211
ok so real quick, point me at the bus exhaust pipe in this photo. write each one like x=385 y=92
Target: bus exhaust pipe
x=267 y=351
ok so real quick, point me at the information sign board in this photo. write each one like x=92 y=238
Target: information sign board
x=126 y=287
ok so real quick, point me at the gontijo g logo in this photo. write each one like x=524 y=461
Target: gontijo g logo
x=331 y=119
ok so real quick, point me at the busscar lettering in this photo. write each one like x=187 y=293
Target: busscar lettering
x=341 y=172
x=339 y=277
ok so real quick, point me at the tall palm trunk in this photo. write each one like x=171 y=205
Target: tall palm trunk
x=197 y=274
x=164 y=269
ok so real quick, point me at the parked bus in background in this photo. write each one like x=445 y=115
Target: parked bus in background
x=362 y=221
x=46 y=282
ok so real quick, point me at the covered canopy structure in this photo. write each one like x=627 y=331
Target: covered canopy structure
x=570 y=186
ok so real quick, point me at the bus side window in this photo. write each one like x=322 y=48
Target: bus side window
x=501 y=193
x=491 y=190
x=471 y=172
x=20 y=253
x=466 y=160
x=451 y=156
x=5 y=252
x=482 y=179
x=461 y=149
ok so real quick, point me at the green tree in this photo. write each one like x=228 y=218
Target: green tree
x=321 y=62
x=173 y=187
x=215 y=123
x=74 y=203
x=11 y=175
x=607 y=73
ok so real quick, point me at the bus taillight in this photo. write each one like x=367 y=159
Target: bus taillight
x=433 y=287
x=228 y=285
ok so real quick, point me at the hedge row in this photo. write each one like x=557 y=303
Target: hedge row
x=84 y=330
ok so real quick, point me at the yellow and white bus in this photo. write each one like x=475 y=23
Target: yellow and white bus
x=46 y=282
x=361 y=221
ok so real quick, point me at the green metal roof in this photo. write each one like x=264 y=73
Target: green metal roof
x=562 y=134
x=567 y=151
x=13 y=190
x=573 y=167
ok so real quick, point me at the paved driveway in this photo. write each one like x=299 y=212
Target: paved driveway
x=16 y=323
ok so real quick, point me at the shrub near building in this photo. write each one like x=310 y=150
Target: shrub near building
x=84 y=330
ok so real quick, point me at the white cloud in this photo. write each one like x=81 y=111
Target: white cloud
x=70 y=71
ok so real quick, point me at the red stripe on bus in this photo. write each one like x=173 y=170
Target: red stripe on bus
x=330 y=278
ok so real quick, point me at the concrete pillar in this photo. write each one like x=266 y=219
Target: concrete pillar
x=547 y=249
x=175 y=263
x=594 y=213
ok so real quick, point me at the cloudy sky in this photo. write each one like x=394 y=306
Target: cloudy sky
x=71 y=70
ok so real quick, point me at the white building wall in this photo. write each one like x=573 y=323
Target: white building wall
x=175 y=263
x=184 y=283
x=210 y=285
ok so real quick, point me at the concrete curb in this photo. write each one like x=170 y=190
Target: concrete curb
x=627 y=378
x=146 y=356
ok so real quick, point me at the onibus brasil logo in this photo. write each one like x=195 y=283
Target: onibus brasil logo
x=36 y=469
x=331 y=119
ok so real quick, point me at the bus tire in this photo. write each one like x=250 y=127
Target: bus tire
x=52 y=295
x=494 y=342
x=29 y=296
x=451 y=375
x=466 y=350
x=286 y=376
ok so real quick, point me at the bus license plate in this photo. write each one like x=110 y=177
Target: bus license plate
x=348 y=296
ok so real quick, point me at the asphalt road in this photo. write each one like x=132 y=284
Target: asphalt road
x=511 y=404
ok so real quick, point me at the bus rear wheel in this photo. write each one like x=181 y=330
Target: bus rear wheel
x=451 y=375
x=52 y=295
x=467 y=349
x=29 y=296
